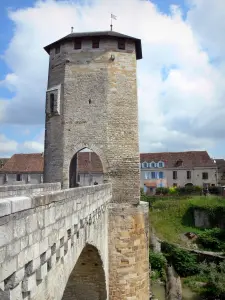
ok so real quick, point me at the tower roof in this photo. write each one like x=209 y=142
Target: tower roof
x=71 y=36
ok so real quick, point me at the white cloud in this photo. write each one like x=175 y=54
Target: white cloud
x=7 y=145
x=180 y=90
x=32 y=146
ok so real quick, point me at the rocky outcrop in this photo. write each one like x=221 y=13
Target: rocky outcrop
x=173 y=284
x=155 y=244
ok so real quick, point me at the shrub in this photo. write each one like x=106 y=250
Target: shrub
x=215 y=278
x=157 y=261
x=184 y=262
x=162 y=190
x=158 y=264
x=215 y=190
x=212 y=239
x=189 y=190
x=173 y=190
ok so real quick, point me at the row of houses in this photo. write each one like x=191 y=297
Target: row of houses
x=28 y=169
x=163 y=169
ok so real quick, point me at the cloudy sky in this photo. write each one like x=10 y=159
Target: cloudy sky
x=181 y=79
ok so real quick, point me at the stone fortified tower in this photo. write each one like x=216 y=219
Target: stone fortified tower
x=91 y=102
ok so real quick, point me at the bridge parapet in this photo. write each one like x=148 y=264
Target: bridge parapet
x=28 y=189
x=40 y=231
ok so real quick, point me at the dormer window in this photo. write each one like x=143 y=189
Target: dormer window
x=144 y=165
x=160 y=164
x=121 y=44
x=57 y=50
x=153 y=164
x=179 y=163
x=95 y=43
x=52 y=102
x=77 y=44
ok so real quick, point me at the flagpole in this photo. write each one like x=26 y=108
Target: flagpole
x=112 y=17
x=111 y=26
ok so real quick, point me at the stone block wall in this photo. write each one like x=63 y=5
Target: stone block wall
x=128 y=252
x=42 y=236
x=28 y=189
x=204 y=218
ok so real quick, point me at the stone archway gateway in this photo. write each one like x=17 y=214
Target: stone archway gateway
x=87 y=280
x=85 y=169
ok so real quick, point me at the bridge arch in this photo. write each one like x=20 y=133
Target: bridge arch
x=87 y=280
x=73 y=162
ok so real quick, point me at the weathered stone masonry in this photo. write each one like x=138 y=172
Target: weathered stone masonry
x=42 y=236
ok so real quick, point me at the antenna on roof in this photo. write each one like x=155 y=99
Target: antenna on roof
x=112 y=17
x=72 y=29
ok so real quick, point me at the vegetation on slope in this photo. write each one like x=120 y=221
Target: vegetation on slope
x=172 y=217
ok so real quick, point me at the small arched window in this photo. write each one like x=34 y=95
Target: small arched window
x=77 y=44
x=121 y=44
x=52 y=102
x=95 y=43
x=57 y=49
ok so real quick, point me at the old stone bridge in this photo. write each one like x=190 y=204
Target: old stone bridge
x=54 y=244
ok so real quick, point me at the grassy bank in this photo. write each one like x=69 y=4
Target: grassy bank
x=172 y=218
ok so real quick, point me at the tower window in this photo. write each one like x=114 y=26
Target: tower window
x=95 y=43
x=57 y=50
x=77 y=44
x=121 y=44
x=52 y=102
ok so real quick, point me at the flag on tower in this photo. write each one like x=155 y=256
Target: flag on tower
x=113 y=17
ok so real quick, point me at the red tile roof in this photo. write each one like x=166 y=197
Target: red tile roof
x=190 y=159
x=24 y=163
x=34 y=163
x=89 y=162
